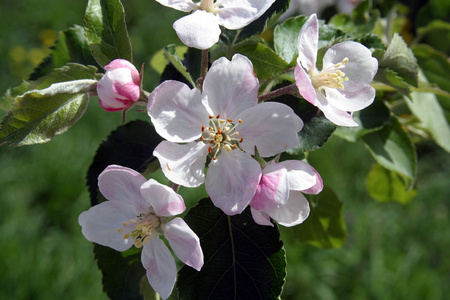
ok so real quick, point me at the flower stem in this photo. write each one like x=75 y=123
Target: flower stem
x=290 y=89
x=204 y=69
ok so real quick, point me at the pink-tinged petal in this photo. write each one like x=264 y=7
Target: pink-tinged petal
x=177 y=111
x=270 y=126
x=115 y=105
x=121 y=184
x=163 y=199
x=260 y=217
x=307 y=43
x=351 y=101
x=198 y=30
x=294 y=212
x=273 y=188
x=335 y=115
x=182 y=5
x=160 y=265
x=230 y=87
x=304 y=85
x=123 y=63
x=184 y=242
x=300 y=174
x=360 y=68
x=232 y=180
x=317 y=188
x=100 y=223
x=183 y=164
x=235 y=14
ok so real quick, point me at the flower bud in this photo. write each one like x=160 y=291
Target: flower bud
x=119 y=88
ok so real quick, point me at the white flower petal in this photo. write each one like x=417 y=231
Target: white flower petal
x=273 y=188
x=182 y=5
x=232 y=180
x=183 y=164
x=230 y=87
x=294 y=212
x=163 y=199
x=335 y=115
x=271 y=126
x=160 y=265
x=184 y=242
x=307 y=43
x=121 y=184
x=198 y=30
x=236 y=14
x=260 y=217
x=300 y=174
x=351 y=101
x=304 y=85
x=100 y=223
x=177 y=112
x=360 y=68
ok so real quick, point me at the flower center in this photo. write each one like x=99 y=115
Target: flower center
x=331 y=77
x=141 y=228
x=221 y=134
x=207 y=5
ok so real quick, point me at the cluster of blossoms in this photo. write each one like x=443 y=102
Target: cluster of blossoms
x=223 y=127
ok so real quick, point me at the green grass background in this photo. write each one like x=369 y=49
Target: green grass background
x=392 y=251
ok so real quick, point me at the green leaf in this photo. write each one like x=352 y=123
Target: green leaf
x=399 y=58
x=106 y=31
x=66 y=73
x=370 y=119
x=122 y=272
x=285 y=37
x=176 y=61
x=71 y=46
x=38 y=115
x=434 y=64
x=130 y=145
x=243 y=260
x=393 y=149
x=266 y=62
x=325 y=226
x=387 y=186
x=147 y=291
x=159 y=60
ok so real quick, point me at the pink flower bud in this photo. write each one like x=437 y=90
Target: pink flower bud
x=119 y=88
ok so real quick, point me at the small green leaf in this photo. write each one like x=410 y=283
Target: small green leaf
x=393 y=149
x=243 y=260
x=159 y=60
x=130 y=145
x=37 y=116
x=176 y=61
x=266 y=62
x=286 y=36
x=387 y=186
x=370 y=119
x=434 y=64
x=106 y=31
x=399 y=58
x=122 y=272
x=325 y=226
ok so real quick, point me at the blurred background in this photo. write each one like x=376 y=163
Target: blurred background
x=392 y=251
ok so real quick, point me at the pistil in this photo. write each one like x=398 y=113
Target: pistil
x=142 y=227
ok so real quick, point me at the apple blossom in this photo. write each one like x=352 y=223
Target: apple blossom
x=136 y=213
x=201 y=28
x=119 y=88
x=224 y=123
x=343 y=84
x=280 y=193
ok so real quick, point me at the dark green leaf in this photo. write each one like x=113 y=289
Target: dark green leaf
x=130 y=145
x=122 y=272
x=434 y=64
x=71 y=46
x=370 y=119
x=106 y=31
x=243 y=260
x=387 y=186
x=40 y=114
x=170 y=54
x=286 y=36
x=393 y=149
x=325 y=227
x=266 y=62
